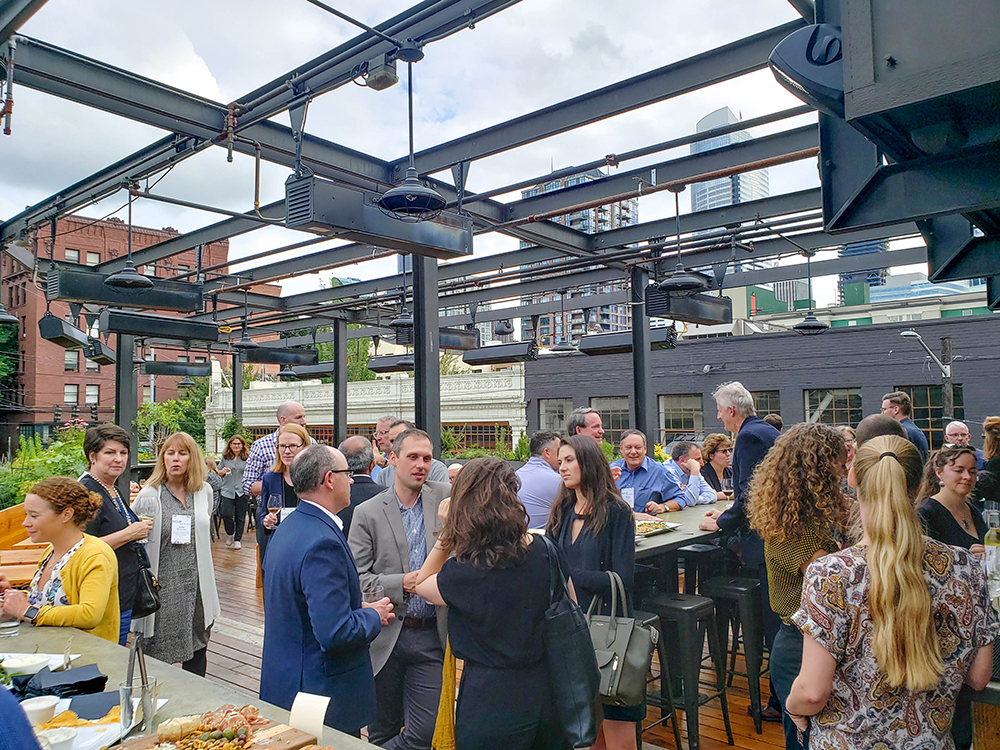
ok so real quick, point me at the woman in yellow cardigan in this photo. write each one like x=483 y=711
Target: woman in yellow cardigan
x=76 y=585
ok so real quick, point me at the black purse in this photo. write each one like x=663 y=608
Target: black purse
x=569 y=656
x=147 y=589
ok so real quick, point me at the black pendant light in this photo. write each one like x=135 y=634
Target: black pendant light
x=411 y=200
x=810 y=325
x=404 y=319
x=128 y=277
x=5 y=317
x=186 y=383
x=245 y=342
x=681 y=282
x=563 y=346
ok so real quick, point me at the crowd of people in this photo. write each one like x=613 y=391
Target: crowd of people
x=377 y=558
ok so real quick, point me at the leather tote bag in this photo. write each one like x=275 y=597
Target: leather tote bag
x=623 y=648
x=147 y=589
x=570 y=659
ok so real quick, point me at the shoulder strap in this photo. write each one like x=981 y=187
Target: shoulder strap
x=557 y=578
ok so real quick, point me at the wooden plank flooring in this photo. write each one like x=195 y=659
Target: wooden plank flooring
x=234 y=659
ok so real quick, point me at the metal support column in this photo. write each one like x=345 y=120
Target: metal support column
x=126 y=401
x=426 y=370
x=340 y=381
x=237 y=385
x=644 y=401
x=947 y=390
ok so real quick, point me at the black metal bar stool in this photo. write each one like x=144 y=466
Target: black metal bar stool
x=701 y=562
x=738 y=608
x=665 y=700
x=693 y=617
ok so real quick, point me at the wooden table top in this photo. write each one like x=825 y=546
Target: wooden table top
x=21 y=556
x=19 y=575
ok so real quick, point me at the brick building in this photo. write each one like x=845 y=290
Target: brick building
x=53 y=380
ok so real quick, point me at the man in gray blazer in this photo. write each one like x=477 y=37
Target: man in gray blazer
x=389 y=538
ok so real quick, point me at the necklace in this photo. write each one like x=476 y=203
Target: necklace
x=110 y=489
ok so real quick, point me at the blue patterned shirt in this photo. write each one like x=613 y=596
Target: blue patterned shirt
x=416 y=542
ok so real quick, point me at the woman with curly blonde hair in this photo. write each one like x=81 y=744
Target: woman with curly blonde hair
x=798 y=509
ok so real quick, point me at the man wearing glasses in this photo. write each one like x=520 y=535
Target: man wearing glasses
x=382 y=443
x=957 y=433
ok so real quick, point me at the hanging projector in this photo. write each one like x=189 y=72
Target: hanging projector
x=320 y=206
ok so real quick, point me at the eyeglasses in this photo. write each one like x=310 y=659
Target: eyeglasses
x=340 y=471
x=724 y=450
x=290 y=447
x=381 y=433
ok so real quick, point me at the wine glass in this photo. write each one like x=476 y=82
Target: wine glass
x=274 y=505
x=727 y=487
x=145 y=509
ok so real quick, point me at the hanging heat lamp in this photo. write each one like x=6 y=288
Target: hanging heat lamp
x=245 y=342
x=681 y=282
x=563 y=346
x=411 y=200
x=810 y=325
x=129 y=278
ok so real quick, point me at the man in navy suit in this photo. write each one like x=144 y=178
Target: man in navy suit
x=754 y=438
x=316 y=628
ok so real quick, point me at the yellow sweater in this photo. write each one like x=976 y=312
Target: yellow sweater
x=90 y=580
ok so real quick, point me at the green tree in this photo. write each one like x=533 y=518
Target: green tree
x=448 y=364
x=159 y=421
x=193 y=405
x=9 y=355
x=234 y=426
x=358 y=352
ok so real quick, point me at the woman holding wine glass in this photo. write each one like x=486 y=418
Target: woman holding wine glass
x=106 y=447
x=717 y=449
x=276 y=485
x=179 y=501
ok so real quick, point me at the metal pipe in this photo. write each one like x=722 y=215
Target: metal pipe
x=345 y=17
x=202 y=207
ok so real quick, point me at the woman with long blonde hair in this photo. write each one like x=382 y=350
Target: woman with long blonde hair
x=799 y=511
x=893 y=625
x=179 y=501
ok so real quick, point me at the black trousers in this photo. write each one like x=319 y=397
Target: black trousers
x=197 y=664
x=233 y=512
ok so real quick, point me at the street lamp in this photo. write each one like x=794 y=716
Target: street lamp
x=947 y=392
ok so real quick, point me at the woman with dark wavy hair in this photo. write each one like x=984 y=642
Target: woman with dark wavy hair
x=798 y=509
x=988 y=485
x=496 y=586
x=595 y=529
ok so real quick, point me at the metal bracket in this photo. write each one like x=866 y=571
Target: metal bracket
x=297 y=115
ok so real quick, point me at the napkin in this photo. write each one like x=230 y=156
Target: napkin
x=71 y=682
x=95 y=706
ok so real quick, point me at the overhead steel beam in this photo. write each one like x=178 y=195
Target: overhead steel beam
x=13 y=14
x=805 y=8
x=834 y=266
x=674 y=170
x=723 y=63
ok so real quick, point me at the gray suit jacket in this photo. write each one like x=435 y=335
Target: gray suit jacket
x=378 y=543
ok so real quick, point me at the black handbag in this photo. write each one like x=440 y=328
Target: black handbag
x=147 y=589
x=623 y=647
x=569 y=656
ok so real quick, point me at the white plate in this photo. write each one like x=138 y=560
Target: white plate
x=99 y=735
x=55 y=660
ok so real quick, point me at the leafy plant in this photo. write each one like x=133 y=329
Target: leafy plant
x=449 y=442
x=159 y=421
x=32 y=463
x=234 y=426
x=659 y=453
x=608 y=449
x=522 y=451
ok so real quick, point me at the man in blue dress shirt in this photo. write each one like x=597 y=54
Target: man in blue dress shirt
x=685 y=469
x=644 y=483
x=540 y=480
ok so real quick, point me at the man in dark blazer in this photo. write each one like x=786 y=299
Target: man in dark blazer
x=754 y=438
x=390 y=537
x=316 y=628
x=360 y=460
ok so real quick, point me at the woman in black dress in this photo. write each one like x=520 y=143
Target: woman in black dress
x=106 y=447
x=949 y=517
x=595 y=530
x=496 y=587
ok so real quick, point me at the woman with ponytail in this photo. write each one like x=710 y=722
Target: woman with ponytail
x=892 y=626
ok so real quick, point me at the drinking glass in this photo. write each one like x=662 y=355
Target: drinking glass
x=727 y=487
x=145 y=508
x=274 y=505
x=8 y=624
x=373 y=594
x=137 y=701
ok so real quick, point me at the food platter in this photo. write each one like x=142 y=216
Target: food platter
x=263 y=735
x=97 y=734
x=645 y=529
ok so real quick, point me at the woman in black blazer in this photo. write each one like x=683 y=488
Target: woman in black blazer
x=595 y=529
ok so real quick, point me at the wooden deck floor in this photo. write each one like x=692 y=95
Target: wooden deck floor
x=234 y=658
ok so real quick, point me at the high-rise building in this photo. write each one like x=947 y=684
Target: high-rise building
x=873 y=278
x=571 y=325
x=725 y=191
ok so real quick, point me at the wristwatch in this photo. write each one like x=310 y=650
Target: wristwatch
x=31 y=614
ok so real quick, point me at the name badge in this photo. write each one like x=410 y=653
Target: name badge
x=180 y=530
x=628 y=495
x=285 y=512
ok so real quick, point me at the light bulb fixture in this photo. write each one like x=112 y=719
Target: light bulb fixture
x=681 y=282
x=810 y=325
x=245 y=341
x=186 y=383
x=129 y=278
x=563 y=345
x=402 y=324
x=411 y=200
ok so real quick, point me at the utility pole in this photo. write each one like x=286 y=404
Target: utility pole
x=947 y=390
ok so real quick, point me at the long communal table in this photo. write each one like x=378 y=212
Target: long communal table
x=186 y=693
x=688 y=533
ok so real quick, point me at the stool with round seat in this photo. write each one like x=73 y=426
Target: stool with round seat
x=701 y=562
x=692 y=618
x=739 y=609
x=665 y=700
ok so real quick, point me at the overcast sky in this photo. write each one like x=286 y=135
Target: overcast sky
x=535 y=54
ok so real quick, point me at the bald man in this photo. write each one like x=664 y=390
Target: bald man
x=263 y=450
x=957 y=433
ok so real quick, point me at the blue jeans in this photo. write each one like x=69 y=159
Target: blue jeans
x=123 y=628
x=786 y=661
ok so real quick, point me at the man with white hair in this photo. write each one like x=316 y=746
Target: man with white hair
x=754 y=438
x=957 y=433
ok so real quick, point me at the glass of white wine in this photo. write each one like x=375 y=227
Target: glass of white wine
x=145 y=508
x=274 y=505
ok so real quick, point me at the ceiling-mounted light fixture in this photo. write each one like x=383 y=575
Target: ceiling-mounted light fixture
x=810 y=325
x=245 y=341
x=680 y=281
x=128 y=277
x=186 y=383
x=563 y=346
x=411 y=200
